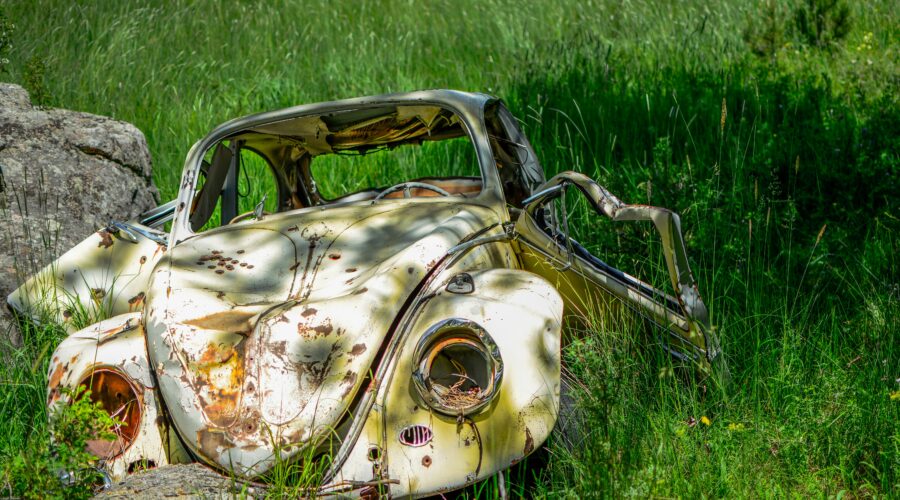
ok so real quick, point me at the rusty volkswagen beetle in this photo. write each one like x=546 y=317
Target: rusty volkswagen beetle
x=322 y=290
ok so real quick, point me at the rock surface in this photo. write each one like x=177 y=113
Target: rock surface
x=63 y=175
x=180 y=481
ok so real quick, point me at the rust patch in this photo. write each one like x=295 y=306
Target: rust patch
x=334 y=256
x=219 y=373
x=115 y=330
x=136 y=301
x=321 y=330
x=248 y=426
x=529 y=442
x=98 y=293
x=222 y=411
x=410 y=270
x=233 y=320
x=220 y=271
x=57 y=376
x=309 y=312
x=351 y=270
x=106 y=240
x=358 y=349
x=360 y=291
x=210 y=440
x=239 y=252
x=426 y=461
x=143 y=259
x=348 y=382
x=67 y=314
x=214 y=355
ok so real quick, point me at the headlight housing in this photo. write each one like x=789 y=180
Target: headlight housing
x=458 y=367
x=118 y=396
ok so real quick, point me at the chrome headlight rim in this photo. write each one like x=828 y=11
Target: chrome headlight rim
x=454 y=332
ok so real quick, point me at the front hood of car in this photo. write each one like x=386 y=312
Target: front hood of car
x=262 y=332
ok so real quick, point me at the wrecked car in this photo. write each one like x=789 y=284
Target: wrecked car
x=377 y=285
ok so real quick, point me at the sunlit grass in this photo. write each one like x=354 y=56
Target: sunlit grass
x=784 y=169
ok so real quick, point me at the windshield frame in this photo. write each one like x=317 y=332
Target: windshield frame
x=468 y=107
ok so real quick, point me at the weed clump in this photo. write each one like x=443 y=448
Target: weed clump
x=65 y=468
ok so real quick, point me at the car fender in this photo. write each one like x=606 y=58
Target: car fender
x=522 y=314
x=99 y=357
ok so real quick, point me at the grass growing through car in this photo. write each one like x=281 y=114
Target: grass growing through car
x=776 y=140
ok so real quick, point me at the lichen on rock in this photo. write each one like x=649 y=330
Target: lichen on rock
x=63 y=175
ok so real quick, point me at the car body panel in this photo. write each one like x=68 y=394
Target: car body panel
x=522 y=313
x=103 y=275
x=296 y=315
x=118 y=344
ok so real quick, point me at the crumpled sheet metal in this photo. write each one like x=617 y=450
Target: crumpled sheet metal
x=668 y=224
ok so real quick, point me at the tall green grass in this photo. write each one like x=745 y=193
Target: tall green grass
x=784 y=167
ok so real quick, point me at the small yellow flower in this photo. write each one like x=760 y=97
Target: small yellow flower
x=733 y=427
x=705 y=421
x=895 y=396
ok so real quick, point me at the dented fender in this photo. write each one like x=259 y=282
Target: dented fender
x=110 y=358
x=522 y=314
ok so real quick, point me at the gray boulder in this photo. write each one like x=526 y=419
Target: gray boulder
x=63 y=175
x=181 y=482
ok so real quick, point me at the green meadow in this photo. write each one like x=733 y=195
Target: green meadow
x=773 y=128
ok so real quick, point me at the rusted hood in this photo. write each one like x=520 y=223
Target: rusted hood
x=262 y=332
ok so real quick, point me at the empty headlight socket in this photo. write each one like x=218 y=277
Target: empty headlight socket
x=119 y=397
x=458 y=367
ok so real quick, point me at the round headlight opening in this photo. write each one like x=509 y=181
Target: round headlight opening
x=458 y=367
x=119 y=398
